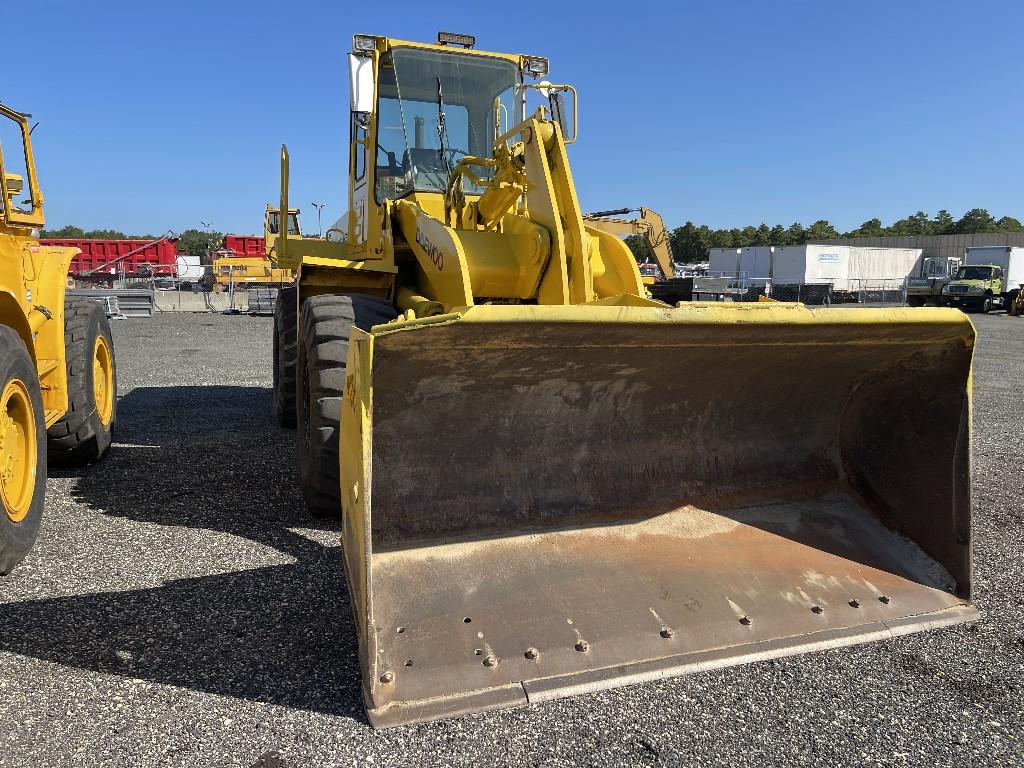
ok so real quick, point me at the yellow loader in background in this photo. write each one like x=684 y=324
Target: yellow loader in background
x=272 y=227
x=58 y=382
x=551 y=484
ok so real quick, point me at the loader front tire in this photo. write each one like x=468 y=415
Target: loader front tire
x=286 y=353
x=327 y=323
x=85 y=432
x=22 y=451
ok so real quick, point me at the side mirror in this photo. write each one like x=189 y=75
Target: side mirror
x=560 y=113
x=360 y=72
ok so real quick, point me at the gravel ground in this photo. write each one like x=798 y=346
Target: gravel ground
x=178 y=609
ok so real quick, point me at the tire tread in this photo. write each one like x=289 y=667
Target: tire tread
x=327 y=323
x=79 y=437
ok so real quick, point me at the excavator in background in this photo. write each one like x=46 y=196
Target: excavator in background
x=660 y=278
x=648 y=225
x=58 y=380
x=548 y=482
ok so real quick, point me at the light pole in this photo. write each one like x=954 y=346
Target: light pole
x=319 y=207
x=208 y=249
x=209 y=244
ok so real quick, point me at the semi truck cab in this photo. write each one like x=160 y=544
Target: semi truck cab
x=936 y=273
x=990 y=278
x=976 y=286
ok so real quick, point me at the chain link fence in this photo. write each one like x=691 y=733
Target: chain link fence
x=881 y=293
x=853 y=292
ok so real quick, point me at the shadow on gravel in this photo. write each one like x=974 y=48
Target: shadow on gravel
x=207 y=458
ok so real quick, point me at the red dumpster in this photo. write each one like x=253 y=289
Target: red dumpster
x=111 y=257
x=244 y=245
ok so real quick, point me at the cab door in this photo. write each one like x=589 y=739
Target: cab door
x=20 y=200
x=360 y=175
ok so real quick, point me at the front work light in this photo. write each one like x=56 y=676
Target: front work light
x=536 y=66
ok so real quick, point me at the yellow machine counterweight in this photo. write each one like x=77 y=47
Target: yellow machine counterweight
x=548 y=482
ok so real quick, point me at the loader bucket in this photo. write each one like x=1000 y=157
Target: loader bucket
x=543 y=501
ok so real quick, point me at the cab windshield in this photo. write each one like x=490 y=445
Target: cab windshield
x=433 y=109
x=974 y=273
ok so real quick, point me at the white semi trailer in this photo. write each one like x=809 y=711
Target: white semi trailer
x=844 y=269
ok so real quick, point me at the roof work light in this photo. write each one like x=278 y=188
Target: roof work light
x=450 y=38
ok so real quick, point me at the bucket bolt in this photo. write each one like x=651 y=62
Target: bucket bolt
x=884 y=599
x=582 y=646
x=387 y=678
x=667 y=632
x=490 y=660
x=855 y=603
x=531 y=653
x=817 y=609
x=745 y=621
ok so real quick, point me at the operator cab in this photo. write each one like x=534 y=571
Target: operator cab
x=939 y=268
x=274 y=222
x=436 y=107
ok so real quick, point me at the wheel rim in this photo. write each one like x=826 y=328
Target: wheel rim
x=17 y=450
x=103 y=381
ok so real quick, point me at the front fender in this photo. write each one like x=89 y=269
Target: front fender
x=12 y=316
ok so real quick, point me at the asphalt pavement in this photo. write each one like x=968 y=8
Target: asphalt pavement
x=180 y=610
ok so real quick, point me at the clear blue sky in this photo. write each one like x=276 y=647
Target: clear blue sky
x=156 y=115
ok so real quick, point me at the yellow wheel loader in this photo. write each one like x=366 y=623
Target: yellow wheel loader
x=272 y=226
x=58 y=381
x=550 y=484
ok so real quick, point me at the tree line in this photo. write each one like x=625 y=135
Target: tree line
x=692 y=243
x=71 y=232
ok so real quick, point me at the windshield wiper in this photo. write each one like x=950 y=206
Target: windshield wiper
x=442 y=131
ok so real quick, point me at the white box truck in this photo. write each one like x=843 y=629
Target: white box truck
x=991 y=277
